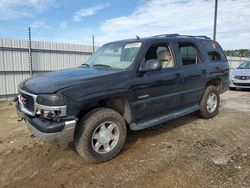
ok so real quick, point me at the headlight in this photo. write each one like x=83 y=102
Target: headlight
x=51 y=100
x=232 y=73
x=51 y=106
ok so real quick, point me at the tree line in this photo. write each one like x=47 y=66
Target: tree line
x=238 y=53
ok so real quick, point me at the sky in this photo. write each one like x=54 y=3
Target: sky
x=76 y=21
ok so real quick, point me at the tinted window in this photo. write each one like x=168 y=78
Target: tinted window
x=214 y=56
x=189 y=54
x=213 y=49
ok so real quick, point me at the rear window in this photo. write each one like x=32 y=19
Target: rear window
x=213 y=50
x=214 y=56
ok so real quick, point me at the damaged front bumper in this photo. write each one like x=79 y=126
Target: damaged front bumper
x=52 y=132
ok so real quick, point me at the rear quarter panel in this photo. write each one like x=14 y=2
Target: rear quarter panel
x=216 y=69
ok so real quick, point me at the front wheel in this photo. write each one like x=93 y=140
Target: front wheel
x=232 y=88
x=209 y=105
x=100 y=135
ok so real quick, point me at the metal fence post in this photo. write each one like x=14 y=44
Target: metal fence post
x=93 y=44
x=215 y=18
x=30 y=54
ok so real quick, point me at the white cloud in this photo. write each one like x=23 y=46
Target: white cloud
x=88 y=12
x=39 y=25
x=12 y=9
x=63 y=24
x=194 y=17
x=68 y=35
x=151 y=17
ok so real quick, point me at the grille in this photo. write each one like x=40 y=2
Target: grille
x=28 y=102
x=242 y=77
x=242 y=84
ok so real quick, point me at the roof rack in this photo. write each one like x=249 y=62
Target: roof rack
x=198 y=36
x=178 y=35
x=167 y=35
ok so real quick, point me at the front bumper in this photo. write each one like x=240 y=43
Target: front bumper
x=235 y=83
x=50 y=132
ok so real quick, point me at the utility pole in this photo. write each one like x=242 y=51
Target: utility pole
x=215 y=18
x=93 y=44
x=30 y=54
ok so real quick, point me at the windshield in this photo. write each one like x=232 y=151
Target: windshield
x=245 y=65
x=115 y=56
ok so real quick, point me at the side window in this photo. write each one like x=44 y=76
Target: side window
x=189 y=54
x=161 y=51
x=214 y=56
x=214 y=50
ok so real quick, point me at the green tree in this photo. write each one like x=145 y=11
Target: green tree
x=238 y=53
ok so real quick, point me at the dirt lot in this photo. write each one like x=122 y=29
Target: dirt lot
x=186 y=152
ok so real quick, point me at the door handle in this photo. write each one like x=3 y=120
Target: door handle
x=179 y=77
x=204 y=71
x=219 y=70
x=177 y=74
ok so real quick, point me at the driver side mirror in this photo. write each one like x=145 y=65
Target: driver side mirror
x=150 y=65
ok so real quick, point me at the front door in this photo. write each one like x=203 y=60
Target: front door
x=157 y=92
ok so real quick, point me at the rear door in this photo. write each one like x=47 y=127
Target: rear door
x=194 y=71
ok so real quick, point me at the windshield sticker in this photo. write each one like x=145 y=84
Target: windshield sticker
x=133 y=45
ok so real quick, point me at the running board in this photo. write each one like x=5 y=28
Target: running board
x=161 y=119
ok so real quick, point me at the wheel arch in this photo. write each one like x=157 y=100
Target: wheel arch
x=216 y=82
x=119 y=104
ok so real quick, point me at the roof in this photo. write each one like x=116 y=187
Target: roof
x=170 y=36
x=182 y=36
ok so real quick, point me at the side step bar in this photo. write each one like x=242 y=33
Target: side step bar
x=164 y=118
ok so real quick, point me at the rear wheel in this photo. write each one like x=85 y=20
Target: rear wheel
x=209 y=105
x=101 y=135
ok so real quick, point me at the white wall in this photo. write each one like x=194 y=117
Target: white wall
x=46 y=56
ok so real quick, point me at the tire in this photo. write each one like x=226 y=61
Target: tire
x=232 y=88
x=209 y=109
x=101 y=126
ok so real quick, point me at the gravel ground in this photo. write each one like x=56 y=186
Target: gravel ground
x=186 y=152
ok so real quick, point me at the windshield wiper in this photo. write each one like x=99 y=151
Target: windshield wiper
x=102 y=65
x=85 y=64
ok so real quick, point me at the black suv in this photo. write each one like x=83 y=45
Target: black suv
x=135 y=84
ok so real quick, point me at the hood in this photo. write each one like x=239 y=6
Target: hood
x=54 y=81
x=241 y=72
